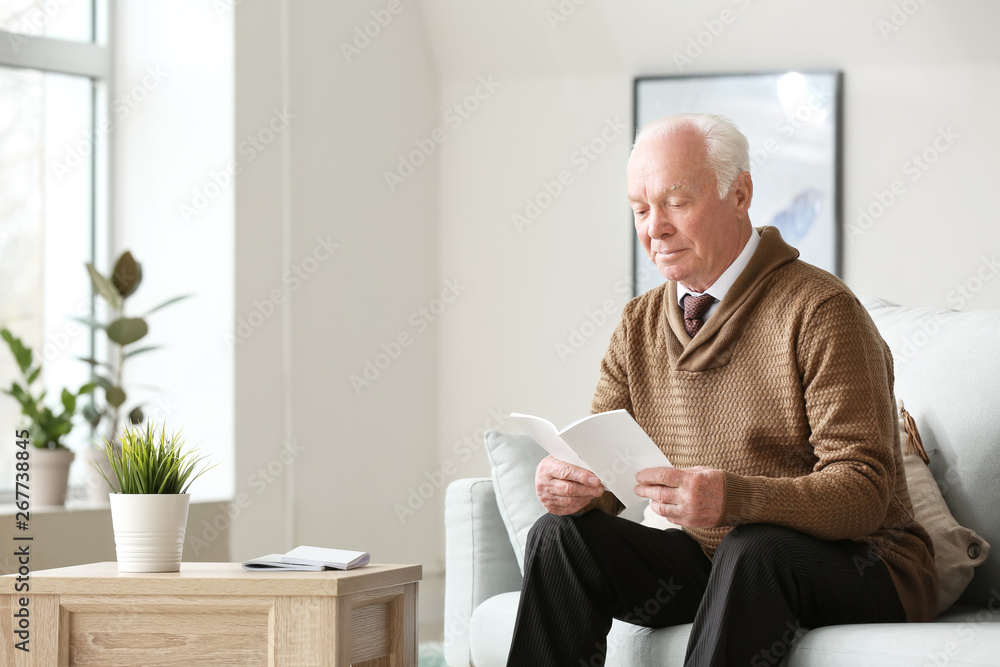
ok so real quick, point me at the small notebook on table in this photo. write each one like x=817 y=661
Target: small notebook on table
x=309 y=559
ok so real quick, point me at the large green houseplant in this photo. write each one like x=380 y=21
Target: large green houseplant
x=50 y=461
x=149 y=514
x=123 y=333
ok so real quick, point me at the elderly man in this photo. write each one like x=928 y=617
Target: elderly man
x=765 y=382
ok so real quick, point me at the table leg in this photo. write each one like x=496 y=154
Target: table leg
x=403 y=629
x=310 y=632
x=47 y=632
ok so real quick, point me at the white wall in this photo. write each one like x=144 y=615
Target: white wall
x=354 y=453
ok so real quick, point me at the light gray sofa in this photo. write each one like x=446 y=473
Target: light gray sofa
x=947 y=373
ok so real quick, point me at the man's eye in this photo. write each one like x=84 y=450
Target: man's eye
x=639 y=213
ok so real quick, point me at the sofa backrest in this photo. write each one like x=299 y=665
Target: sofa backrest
x=947 y=367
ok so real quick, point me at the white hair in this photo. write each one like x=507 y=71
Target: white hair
x=728 y=150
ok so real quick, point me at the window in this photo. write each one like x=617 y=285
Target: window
x=54 y=80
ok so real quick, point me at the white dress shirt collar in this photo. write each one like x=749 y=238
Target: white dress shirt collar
x=728 y=277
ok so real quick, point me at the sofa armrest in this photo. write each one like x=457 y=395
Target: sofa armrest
x=479 y=560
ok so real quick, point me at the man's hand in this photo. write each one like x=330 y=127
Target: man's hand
x=564 y=488
x=691 y=497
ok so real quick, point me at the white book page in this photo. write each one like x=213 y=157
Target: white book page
x=616 y=448
x=338 y=558
x=609 y=444
x=545 y=434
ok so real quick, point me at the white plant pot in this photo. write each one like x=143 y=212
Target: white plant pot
x=95 y=487
x=149 y=530
x=49 y=476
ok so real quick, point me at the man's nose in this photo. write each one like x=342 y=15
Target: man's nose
x=659 y=223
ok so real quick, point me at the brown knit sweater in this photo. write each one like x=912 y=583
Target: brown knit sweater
x=788 y=389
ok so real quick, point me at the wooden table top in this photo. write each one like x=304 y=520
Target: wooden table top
x=209 y=579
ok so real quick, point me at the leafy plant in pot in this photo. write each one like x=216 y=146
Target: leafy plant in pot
x=149 y=514
x=50 y=460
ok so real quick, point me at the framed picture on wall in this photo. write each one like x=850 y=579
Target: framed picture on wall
x=793 y=123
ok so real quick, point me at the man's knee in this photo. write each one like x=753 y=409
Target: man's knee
x=758 y=542
x=548 y=527
x=552 y=528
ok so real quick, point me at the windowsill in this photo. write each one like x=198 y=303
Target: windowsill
x=78 y=505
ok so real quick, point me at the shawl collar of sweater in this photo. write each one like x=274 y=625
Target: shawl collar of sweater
x=713 y=346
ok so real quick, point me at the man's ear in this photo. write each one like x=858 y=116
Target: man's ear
x=743 y=192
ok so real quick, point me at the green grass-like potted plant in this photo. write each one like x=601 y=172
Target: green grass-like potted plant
x=149 y=514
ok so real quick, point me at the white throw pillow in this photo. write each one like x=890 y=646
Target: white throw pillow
x=513 y=461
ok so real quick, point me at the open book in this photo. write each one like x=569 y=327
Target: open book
x=609 y=444
x=309 y=559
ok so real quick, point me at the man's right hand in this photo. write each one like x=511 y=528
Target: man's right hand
x=564 y=488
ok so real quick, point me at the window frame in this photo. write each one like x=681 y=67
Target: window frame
x=95 y=61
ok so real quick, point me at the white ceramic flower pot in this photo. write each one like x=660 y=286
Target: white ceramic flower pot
x=149 y=530
x=95 y=487
x=49 y=475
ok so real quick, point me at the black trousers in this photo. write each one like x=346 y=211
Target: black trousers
x=765 y=586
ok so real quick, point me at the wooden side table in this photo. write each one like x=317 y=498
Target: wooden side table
x=214 y=614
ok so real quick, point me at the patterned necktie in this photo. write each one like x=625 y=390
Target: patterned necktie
x=695 y=308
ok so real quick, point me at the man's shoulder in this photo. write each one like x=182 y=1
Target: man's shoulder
x=808 y=286
x=810 y=296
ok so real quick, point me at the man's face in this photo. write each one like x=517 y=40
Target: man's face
x=688 y=232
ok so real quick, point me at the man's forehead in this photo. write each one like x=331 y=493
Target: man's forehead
x=640 y=194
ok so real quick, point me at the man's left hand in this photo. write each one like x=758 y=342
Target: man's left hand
x=692 y=497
